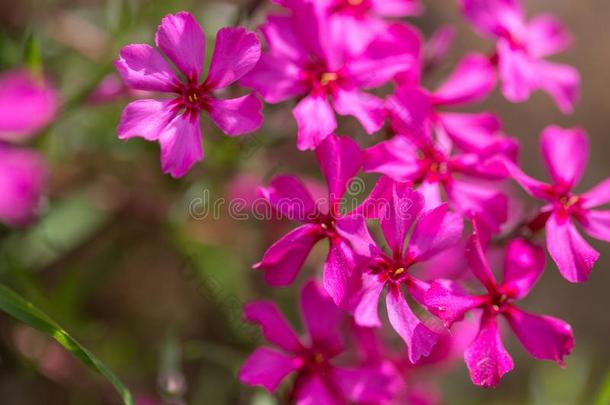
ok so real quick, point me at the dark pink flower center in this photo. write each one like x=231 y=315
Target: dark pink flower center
x=323 y=81
x=192 y=98
x=390 y=271
x=435 y=167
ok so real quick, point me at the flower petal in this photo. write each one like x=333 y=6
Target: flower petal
x=524 y=263
x=477 y=261
x=275 y=79
x=597 y=224
x=26 y=105
x=473 y=80
x=366 y=311
x=472 y=132
x=289 y=196
x=339 y=159
x=396 y=158
x=518 y=72
x=23 y=174
x=486 y=357
x=561 y=82
x=364 y=384
x=492 y=17
x=369 y=110
x=410 y=110
x=397 y=8
x=237 y=116
x=340 y=278
x=401 y=211
x=598 y=195
x=142 y=68
x=315 y=120
x=572 y=254
x=236 y=52
x=480 y=199
x=145 y=119
x=181 y=38
x=181 y=145
x=448 y=305
x=284 y=259
x=395 y=51
x=274 y=326
x=546 y=36
x=544 y=337
x=314 y=390
x=267 y=368
x=322 y=319
x=419 y=338
x=435 y=231
x=565 y=153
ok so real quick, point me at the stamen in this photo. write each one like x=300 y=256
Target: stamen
x=398 y=272
x=318 y=358
x=328 y=78
x=355 y=2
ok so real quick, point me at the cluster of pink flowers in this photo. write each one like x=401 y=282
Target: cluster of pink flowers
x=443 y=198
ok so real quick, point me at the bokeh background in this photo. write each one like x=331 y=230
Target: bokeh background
x=128 y=261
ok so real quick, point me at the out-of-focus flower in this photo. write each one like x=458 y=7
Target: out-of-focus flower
x=111 y=89
x=565 y=153
x=305 y=60
x=521 y=48
x=22 y=177
x=174 y=122
x=319 y=380
x=399 y=210
x=27 y=104
x=544 y=337
x=339 y=158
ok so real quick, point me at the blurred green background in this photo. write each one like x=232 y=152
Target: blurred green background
x=119 y=259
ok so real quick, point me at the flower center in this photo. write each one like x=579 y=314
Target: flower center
x=328 y=78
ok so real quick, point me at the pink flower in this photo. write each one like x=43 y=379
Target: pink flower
x=544 y=337
x=26 y=105
x=565 y=154
x=521 y=49
x=359 y=22
x=304 y=60
x=22 y=177
x=415 y=110
x=399 y=210
x=318 y=379
x=339 y=160
x=423 y=153
x=174 y=122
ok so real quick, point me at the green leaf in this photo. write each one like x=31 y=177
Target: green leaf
x=24 y=311
x=603 y=396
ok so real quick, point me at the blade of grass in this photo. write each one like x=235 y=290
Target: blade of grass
x=24 y=311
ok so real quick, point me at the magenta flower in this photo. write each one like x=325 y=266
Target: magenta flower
x=543 y=337
x=340 y=162
x=521 y=49
x=414 y=110
x=359 y=22
x=318 y=379
x=399 y=210
x=22 y=178
x=304 y=60
x=464 y=180
x=565 y=154
x=26 y=105
x=174 y=122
